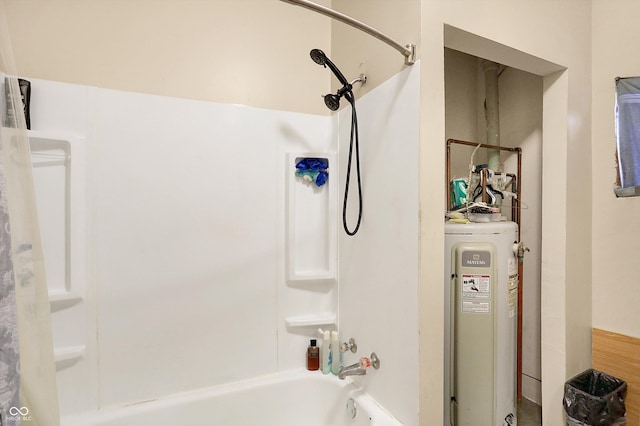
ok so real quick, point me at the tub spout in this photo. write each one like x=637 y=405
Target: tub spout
x=360 y=368
x=351 y=370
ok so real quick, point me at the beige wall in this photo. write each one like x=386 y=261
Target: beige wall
x=616 y=288
x=250 y=52
x=356 y=52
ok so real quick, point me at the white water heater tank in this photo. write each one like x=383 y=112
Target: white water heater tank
x=481 y=302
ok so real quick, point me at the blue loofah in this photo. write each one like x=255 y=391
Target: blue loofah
x=322 y=177
x=313 y=170
x=312 y=164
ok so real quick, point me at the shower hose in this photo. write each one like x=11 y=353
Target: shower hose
x=353 y=140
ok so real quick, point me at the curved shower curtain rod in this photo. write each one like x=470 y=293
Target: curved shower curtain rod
x=408 y=51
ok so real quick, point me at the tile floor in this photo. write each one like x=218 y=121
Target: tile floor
x=529 y=414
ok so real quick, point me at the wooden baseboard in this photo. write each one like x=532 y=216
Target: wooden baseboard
x=619 y=356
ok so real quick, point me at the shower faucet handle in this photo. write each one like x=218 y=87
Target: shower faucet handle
x=371 y=361
x=349 y=346
x=375 y=361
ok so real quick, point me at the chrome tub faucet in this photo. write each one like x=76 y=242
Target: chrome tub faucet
x=360 y=367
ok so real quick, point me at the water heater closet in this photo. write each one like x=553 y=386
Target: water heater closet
x=481 y=284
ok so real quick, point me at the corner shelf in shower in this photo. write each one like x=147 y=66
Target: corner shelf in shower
x=327 y=318
x=66 y=356
x=58 y=162
x=58 y=174
x=60 y=300
x=311 y=217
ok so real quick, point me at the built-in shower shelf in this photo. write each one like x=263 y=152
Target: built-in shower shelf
x=66 y=356
x=63 y=299
x=58 y=175
x=327 y=318
x=311 y=233
x=48 y=136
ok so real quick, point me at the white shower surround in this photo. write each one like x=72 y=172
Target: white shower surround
x=185 y=285
x=379 y=266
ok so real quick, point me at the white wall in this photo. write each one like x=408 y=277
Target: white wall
x=378 y=266
x=184 y=205
x=521 y=126
x=62 y=110
x=186 y=242
x=615 y=286
x=173 y=240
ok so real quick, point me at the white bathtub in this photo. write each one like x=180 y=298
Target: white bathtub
x=292 y=398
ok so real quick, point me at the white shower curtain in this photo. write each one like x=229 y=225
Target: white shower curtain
x=28 y=395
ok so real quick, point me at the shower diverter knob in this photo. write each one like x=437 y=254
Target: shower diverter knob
x=349 y=346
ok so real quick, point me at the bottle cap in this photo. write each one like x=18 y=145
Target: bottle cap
x=313 y=342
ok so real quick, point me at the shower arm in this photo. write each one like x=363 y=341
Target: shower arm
x=362 y=79
x=408 y=51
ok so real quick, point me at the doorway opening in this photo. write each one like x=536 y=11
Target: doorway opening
x=530 y=91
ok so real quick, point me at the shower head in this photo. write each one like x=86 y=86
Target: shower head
x=320 y=58
x=332 y=101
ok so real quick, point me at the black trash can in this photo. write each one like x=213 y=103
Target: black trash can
x=594 y=398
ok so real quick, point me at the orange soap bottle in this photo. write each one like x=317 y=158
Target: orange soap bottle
x=313 y=356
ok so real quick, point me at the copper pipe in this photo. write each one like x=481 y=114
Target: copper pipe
x=447 y=183
x=520 y=283
x=482 y=145
x=515 y=213
x=483 y=182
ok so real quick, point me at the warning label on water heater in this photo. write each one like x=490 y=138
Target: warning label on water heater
x=476 y=286
x=476 y=307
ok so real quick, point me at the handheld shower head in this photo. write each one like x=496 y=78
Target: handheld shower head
x=320 y=58
x=333 y=101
